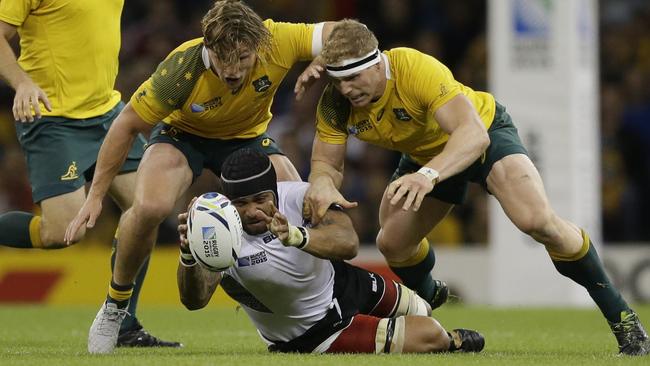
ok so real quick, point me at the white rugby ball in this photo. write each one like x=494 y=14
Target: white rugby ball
x=214 y=231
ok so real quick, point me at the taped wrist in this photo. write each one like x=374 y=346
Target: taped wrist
x=298 y=237
x=186 y=258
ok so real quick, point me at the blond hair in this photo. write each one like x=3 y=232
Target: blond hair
x=349 y=39
x=230 y=25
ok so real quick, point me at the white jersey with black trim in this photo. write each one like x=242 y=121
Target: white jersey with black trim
x=284 y=290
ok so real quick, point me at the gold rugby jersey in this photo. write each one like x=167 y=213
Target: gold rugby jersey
x=184 y=92
x=69 y=48
x=403 y=118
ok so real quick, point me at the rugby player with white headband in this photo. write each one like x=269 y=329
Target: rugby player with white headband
x=449 y=135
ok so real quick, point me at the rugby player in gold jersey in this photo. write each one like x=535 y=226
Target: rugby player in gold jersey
x=449 y=135
x=65 y=101
x=211 y=96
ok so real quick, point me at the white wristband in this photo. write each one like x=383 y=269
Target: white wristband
x=298 y=237
x=430 y=173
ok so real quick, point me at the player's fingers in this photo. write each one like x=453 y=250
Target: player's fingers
x=37 y=106
x=182 y=230
x=410 y=197
x=71 y=231
x=189 y=206
x=91 y=221
x=392 y=187
x=182 y=218
x=20 y=107
x=348 y=204
x=43 y=97
x=418 y=200
x=399 y=194
x=27 y=110
x=280 y=218
x=14 y=110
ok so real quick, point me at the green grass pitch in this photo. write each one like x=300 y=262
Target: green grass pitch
x=48 y=336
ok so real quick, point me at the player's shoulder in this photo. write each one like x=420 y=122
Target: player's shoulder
x=334 y=108
x=405 y=58
x=176 y=76
x=289 y=190
x=187 y=56
x=291 y=196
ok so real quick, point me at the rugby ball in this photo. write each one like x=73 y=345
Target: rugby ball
x=214 y=231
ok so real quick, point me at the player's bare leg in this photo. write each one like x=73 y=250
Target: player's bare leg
x=402 y=242
x=163 y=176
x=132 y=333
x=403 y=334
x=518 y=187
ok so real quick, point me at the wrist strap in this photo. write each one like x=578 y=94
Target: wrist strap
x=305 y=238
x=430 y=173
x=187 y=259
x=298 y=237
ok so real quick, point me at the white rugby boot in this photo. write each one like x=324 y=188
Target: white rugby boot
x=102 y=337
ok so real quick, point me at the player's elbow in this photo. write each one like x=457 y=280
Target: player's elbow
x=192 y=303
x=350 y=248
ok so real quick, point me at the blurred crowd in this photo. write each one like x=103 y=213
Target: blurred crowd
x=452 y=31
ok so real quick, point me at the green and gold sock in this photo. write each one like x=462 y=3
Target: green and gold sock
x=119 y=294
x=586 y=269
x=131 y=321
x=20 y=230
x=415 y=272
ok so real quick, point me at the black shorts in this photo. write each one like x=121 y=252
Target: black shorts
x=202 y=152
x=504 y=141
x=356 y=291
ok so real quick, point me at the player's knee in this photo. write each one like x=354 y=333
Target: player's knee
x=388 y=247
x=150 y=213
x=53 y=237
x=425 y=335
x=538 y=225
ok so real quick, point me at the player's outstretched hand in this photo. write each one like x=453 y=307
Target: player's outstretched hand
x=87 y=215
x=28 y=96
x=278 y=224
x=308 y=77
x=413 y=187
x=320 y=195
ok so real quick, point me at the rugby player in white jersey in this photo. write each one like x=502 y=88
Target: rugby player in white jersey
x=291 y=280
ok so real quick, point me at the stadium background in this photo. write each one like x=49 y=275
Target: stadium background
x=452 y=31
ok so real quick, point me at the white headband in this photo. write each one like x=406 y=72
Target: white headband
x=354 y=65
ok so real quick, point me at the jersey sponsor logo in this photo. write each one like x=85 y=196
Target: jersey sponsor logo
x=252 y=259
x=267 y=239
x=262 y=84
x=197 y=108
x=401 y=114
x=71 y=173
x=171 y=132
x=207 y=106
x=443 y=90
x=266 y=142
x=140 y=95
x=360 y=127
